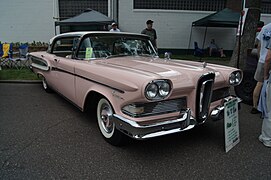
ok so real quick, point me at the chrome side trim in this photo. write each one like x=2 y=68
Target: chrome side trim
x=39 y=63
x=140 y=132
x=37 y=66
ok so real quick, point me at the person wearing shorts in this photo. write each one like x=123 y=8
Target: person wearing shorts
x=263 y=42
x=265 y=102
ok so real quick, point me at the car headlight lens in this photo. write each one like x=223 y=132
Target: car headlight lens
x=164 y=89
x=151 y=91
x=158 y=89
x=235 y=78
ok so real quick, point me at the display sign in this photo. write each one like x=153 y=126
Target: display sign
x=231 y=124
x=89 y=52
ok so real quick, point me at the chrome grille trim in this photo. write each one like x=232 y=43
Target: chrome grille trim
x=203 y=96
x=161 y=107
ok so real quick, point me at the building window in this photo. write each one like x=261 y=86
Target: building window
x=71 y=8
x=192 y=5
x=266 y=7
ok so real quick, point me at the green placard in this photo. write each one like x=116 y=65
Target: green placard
x=89 y=52
x=231 y=124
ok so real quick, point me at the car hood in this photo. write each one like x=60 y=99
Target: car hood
x=131 y=71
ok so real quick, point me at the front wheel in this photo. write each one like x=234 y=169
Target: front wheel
x=106 y=125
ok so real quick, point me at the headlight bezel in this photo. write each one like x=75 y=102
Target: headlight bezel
x=164 y=88
x=235 y=78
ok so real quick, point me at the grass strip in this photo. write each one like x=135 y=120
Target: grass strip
x=17 y=74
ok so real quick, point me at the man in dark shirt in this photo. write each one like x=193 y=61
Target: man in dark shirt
x=151 y=33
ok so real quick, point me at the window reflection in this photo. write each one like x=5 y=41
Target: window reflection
x=107 y=46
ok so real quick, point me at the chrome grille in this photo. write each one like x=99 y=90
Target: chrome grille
x=203 y=97
x=161 y=107
x=165 y=106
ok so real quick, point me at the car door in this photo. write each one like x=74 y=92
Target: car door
x=63 y=66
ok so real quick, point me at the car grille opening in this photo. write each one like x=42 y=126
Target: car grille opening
x=158 y=108
x=220 y=93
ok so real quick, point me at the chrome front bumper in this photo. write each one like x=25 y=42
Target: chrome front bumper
x=140 y=132
x=183 y=123
x=218 y=112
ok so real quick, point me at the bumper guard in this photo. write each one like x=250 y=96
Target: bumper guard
x=218 y=112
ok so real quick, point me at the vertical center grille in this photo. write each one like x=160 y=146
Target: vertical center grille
x=204 y=96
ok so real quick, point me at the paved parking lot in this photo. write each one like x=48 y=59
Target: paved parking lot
x=42 y=136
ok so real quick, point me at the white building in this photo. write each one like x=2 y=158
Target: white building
x=32 y=20
x=27 y=20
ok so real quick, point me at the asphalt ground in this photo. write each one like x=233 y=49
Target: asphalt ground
x=42 y=136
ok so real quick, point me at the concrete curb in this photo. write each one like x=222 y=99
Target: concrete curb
x=21 y=81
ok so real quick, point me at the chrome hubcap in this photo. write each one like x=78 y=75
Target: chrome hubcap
x=106 y=114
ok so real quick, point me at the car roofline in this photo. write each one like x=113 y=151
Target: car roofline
x=83 y=33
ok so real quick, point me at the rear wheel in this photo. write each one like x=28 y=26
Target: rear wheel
x=45 y=85
x=106 y=125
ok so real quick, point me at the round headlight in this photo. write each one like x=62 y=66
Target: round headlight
x=232 y=78
x=235 y=78
x=238 y=77
x=151 y=91
x=164 y=89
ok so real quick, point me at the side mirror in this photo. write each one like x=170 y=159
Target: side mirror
x=167 y=55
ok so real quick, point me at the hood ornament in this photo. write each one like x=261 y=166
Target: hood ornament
x=204 y=64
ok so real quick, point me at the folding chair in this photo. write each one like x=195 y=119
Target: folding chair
x=7 y=48
x=23 y=56
x=7 y=55
x=10 y=61
x=1 y=54
x=1 y=50
x=197 y=50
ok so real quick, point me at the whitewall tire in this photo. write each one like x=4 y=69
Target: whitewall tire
x=45 y=85
x=106 y=124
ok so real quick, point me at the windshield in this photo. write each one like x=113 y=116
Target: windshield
x=114 y=45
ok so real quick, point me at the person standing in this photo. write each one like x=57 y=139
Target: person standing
x=151 y=33
x=265 y=102
x=114 y=27
x=263 y=42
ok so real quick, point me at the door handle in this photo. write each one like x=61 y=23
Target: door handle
x=56 y=60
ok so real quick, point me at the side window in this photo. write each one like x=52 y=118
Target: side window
x=64 y=47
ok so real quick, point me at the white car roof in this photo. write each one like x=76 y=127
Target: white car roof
x=82 y=33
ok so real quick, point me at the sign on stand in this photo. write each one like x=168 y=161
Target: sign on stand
x=231 y=124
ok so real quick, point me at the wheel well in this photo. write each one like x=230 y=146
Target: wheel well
x=91 y=101
x=39 y=75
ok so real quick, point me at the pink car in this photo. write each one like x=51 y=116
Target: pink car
x=132 y=91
